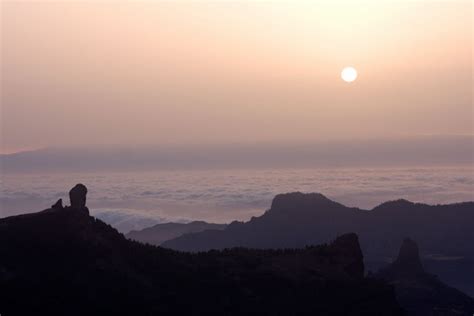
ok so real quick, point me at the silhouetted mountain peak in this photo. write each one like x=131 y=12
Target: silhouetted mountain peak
x=395 y=204
x=301 y=201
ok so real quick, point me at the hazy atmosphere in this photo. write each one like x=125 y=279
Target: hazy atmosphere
x=236 y=157
x=148 y=73
x=175 y=93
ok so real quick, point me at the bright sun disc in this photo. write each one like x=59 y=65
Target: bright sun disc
x=349 y=74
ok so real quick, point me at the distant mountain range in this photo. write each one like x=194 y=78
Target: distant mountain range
x=159 y=233
x=414 y=151
x=444 y=232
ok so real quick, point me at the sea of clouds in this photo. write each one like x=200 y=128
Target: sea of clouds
x=134 y=200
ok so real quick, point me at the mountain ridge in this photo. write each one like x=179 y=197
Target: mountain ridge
x=298 y=219
x=64 y=261
x=161 y=232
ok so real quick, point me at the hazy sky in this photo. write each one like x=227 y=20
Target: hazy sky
x=112 y=72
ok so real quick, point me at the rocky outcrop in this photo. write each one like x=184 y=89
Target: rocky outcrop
x=77 y=197
x=421 y=293
x=350 y=254
x=408 y=263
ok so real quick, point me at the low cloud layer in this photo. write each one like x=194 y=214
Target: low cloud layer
x=135 y=200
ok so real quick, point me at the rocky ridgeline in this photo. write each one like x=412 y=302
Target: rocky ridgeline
x=64 y=261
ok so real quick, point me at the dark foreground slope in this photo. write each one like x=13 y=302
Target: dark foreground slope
x=444 y=232
x=159 y=233
x=64 y=262
x=421 y=293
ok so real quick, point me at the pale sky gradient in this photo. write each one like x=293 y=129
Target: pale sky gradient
x=113 y=72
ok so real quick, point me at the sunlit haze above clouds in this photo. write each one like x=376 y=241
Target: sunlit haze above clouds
x=123 y=72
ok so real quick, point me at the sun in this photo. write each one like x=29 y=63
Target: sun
x=349 y=74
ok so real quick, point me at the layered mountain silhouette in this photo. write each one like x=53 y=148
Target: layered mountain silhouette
x=444 y=232
x=62 y=261
x=421 y=293
x=159 y=233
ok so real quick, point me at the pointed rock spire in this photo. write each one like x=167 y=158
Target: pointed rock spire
x=408 y=263
x=409 y=255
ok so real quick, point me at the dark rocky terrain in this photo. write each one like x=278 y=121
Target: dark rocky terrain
x=444 y=232
x=421 y=293
x=62 y=261
x=159 y=233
